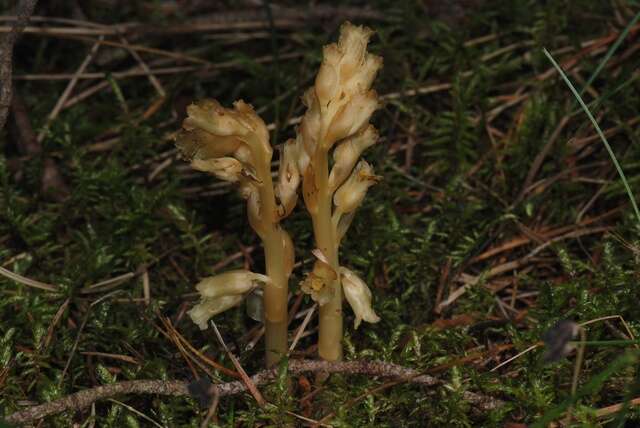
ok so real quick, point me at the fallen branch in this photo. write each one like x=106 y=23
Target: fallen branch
x=24 y=11
x=83 y=399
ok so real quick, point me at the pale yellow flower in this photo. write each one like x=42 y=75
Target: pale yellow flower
x=286 y=189
x=225 y=168
x=224 y=291
x=318 y=282
x=347 y=153
x=201 y=313
x=351 y=194
x=359 y=297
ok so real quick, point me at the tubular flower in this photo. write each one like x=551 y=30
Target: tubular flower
x=359 y=297
x=286 y=189
x=221 y=292
x=201 y=313
x=350 y=195
x=347 y=153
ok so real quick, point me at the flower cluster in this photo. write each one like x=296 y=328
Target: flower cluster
x=339 y=107
x=233 y=145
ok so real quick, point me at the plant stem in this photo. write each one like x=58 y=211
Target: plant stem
x=330 y=340
x=275 y=293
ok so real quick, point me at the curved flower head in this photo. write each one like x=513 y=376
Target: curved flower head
x=359 y=297
x=342 y=88
x=212 y=131
x=221 y=292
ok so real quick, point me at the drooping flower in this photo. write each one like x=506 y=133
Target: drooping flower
x=359 y=297
x=350 y=195
x=286 y=189
x=347 y=153
x=212 y=131
x=221 y=292
x=207 y=308
x=233 y=282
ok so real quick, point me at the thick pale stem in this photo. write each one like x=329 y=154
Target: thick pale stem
x=330 y=341
x=275 y=293
x=275 y=300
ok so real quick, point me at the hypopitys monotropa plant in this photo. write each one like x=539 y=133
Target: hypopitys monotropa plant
x=233 y=144
x=339 y=107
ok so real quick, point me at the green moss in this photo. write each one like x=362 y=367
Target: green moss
x=419 y=229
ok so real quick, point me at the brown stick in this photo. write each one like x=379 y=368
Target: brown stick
x=25 y=10
x=83 y=399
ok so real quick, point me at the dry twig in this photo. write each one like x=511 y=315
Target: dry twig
x=83 y=399
x=24 y=11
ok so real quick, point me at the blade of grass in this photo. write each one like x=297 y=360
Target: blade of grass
x=607 y=57
x=598 y=130
x=610 y=52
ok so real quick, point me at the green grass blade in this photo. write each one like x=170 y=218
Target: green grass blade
x=610 y=52
x=598 y=130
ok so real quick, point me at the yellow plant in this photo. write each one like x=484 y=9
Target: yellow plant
x=339 y=107
x=233 y=144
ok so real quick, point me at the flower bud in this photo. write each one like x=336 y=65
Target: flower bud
x=347 y=153
x=363 y=78
x=230 y=283
x=353 y=44
x=250 y=119
x=352 y=117
x=207 y=308
x=359 y=297
x=326 y=84
x=227 y=169
x=288 y=177
x=350 y=195
x=311 y=124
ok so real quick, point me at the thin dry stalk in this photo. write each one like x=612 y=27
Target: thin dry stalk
x=83 y=399
x=24 y=11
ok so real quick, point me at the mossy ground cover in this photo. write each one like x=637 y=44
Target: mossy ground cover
x=500 y=212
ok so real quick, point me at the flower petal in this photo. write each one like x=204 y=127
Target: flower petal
x=359 y=297
x=207 y=308
x=234 y=282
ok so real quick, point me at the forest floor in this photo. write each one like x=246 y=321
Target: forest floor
x=501 y=246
